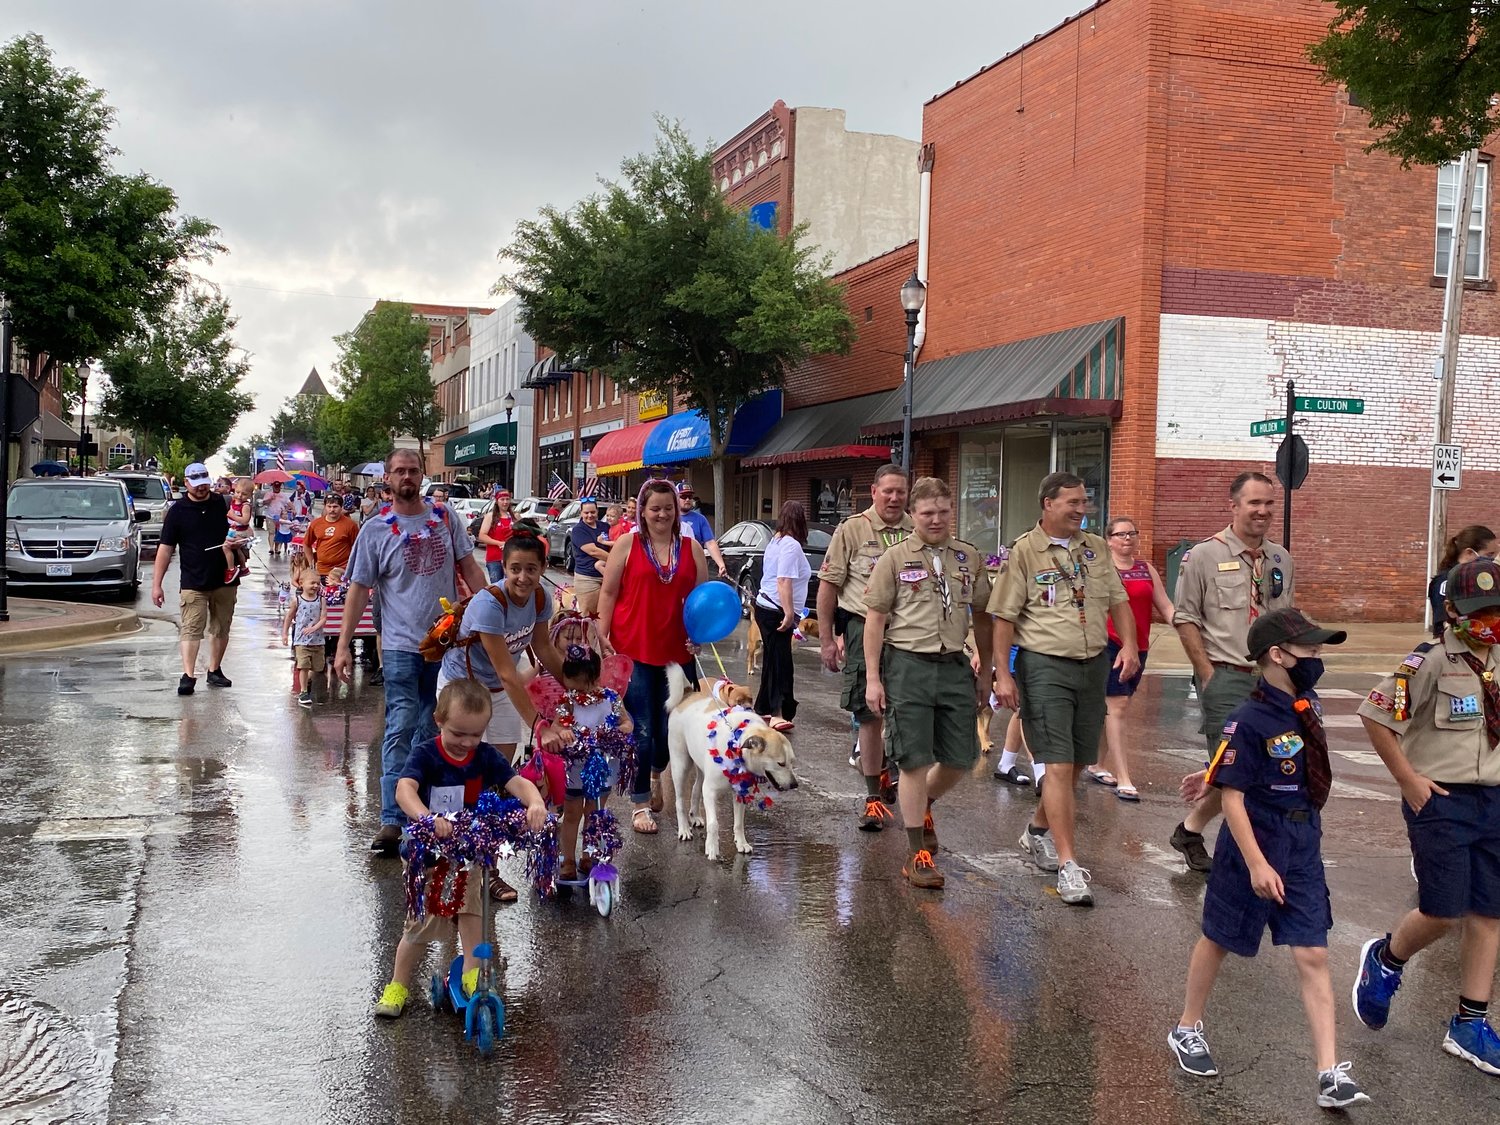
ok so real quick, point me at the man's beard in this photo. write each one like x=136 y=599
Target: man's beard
x=407 y=490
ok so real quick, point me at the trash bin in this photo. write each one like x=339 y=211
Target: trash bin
x=1174 y=565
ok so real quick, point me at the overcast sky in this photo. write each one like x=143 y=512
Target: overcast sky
x=356 y=149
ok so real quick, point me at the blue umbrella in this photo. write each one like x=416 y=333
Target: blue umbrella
x=49 y=469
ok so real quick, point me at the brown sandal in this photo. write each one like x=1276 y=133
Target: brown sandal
x=503 y=891
x=646 y=826
x=658 y=802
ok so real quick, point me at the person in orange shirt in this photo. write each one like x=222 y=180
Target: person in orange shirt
x=330 y=537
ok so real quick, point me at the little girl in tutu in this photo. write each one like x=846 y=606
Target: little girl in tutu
x=589 y=704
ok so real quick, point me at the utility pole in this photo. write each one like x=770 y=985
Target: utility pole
x=1447 y=370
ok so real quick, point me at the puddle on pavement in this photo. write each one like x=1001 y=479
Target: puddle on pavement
x=48 y=1073
x=108 y=828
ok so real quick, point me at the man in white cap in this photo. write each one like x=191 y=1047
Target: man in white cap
x=198 y=525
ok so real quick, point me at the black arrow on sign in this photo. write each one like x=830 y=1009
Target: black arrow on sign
x=1444 y=478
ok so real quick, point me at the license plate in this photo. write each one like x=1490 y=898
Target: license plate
x=59 y=570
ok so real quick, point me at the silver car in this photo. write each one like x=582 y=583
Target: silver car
x=151 y=494
x=77 y=533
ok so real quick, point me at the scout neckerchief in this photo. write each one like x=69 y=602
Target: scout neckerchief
x=1491 y=696
x=1315 y=745
x=942 y=582
x=1257 y=557
x=1077 y=582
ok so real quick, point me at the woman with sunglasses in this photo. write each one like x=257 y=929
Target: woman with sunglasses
x=1145 y=590
x=1474 y=542
x=650 y=573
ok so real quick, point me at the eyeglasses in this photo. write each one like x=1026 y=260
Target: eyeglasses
x=1124 y=534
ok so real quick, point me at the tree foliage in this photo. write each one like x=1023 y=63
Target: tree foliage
x=239 y=459
x=385 y=379
x=659 y=282
x=1425 y=72
x=347 y=437
x=175 y=459
x=86 y=254
x=178 y=375
x=296 y=423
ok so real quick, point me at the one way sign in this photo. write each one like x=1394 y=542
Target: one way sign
x=1447 y=466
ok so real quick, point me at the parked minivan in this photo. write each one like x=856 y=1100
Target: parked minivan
x=76 y=533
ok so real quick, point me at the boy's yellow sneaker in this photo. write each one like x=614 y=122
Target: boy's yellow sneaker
x=471 y=980
x=392 y=1001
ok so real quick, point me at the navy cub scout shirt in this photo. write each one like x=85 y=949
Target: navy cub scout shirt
x=1261 y=752
x=447 y=786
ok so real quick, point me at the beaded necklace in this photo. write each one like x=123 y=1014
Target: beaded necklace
x=436 y=516
x=666 y=576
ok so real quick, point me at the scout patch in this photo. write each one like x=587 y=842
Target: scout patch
x=1401 y=704
x=1232 y=564
x=960 y=556
x=1412 y=662
x=912 y=575
x=1484 y=580
x=1288 y=767
x=1284 y=745
x=1381 y=700
x=1278 y=582
x=1231 y=727
x=1466 y=707
x=1286 y=788
x=1228 y=758
x=1049 y=578
x=1088 y=554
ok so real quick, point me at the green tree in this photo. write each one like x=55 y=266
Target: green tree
x=175 y=459
x=240 y=459
x=385 y=374
x=1425 y=72
x=86 y=254
x=179 y=375
x=296 y=423
x=346 y=437
x=659 y=282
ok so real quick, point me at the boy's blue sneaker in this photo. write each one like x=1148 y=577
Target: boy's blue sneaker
x=1476 y=1041
x=1375 y=985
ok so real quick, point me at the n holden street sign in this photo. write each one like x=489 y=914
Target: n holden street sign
x=1330 y=405
x=1268 y=427
x=1447 y=466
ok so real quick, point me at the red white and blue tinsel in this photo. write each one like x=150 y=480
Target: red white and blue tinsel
x=496 y=829
x=733 y=724
x=435 y=519
x=601 y=836
x=598 y=746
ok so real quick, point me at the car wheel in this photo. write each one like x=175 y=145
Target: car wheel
x=568 y=561
x=747 y=593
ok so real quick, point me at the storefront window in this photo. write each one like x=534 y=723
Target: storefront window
x=1001 y=468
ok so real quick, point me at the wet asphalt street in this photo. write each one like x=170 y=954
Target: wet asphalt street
x=192 y=929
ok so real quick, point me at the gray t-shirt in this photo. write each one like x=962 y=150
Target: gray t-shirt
x=409 y=572
x=503 y=617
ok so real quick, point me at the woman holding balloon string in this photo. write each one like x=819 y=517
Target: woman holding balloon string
x=651 y=572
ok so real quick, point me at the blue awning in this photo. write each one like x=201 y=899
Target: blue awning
x=683 y=437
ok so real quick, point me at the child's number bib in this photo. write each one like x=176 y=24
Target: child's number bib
x=447 y=800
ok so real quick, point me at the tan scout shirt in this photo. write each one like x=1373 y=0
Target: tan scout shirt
x=856 y=547
x=907 y=585
x=1218 y=586
x=1058 y=598
x=1435 y=702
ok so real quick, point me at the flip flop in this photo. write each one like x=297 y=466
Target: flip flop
x=650 y=828
x=1102 y=777
x=782 y=725
x=1127 y=793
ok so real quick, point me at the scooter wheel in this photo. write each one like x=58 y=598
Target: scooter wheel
x=489 y=1024
x=604 y=898
x=439 y=993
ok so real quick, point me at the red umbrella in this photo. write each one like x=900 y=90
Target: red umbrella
x=271 y=476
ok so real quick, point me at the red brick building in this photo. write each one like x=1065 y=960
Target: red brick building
x=1142 y=225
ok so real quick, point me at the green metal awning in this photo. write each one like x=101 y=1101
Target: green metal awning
x=498 y=440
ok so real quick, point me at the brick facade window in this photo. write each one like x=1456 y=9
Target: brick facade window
x=1478 y=249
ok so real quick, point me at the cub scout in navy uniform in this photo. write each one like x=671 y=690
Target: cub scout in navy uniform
x=1435 y=722
x=1273 y=772
x=917 y=674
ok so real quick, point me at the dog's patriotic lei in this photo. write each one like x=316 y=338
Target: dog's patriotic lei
x=434 y=520
x=495 y=830
x=732 y=761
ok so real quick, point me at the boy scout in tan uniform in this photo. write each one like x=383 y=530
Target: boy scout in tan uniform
x=1435 y=722
x=920 y=678
x=1053 y=600
x=1226 y=582
x=856 y=547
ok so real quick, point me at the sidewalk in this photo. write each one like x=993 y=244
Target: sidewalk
x=36 y=623
x=1370 y=647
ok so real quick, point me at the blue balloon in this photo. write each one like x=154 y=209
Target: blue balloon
x=711 y=613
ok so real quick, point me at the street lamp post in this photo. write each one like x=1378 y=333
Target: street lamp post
x=83 y=420
x=5 y=326
x=913 y=296
x=509 y=402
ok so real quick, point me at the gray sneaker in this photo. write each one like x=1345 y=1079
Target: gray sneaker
x=1073 y=885
x=1191 y=1049
x=1040 y=849
x=1337 y=1090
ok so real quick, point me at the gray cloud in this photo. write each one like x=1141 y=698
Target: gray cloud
x=379 y=148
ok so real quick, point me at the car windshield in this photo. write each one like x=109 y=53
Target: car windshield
x=68 y=502
x=144 y=488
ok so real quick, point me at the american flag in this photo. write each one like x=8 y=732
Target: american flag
x=559 y=488
x=281 y=459
x=591 y=487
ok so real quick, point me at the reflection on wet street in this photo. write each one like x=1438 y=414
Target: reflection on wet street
x=192 y=929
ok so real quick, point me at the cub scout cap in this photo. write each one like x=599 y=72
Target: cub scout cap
x=1289 y=627
x=1474 y=586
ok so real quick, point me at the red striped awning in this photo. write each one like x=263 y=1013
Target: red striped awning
x=619 y=451
x=824 y=453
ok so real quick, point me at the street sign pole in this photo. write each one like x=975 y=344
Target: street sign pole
x=1453 y=296
x=1286 y=490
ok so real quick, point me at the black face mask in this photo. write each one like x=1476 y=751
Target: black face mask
x=1305 y=674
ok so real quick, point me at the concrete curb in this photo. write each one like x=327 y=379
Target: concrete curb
x=116 y=623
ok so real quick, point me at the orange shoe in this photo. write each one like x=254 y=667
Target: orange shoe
x=922 y=872
x=876 y=813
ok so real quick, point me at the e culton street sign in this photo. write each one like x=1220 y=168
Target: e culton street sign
x=1292 y=453
x=1330 y=405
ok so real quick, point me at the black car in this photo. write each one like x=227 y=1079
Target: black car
x=744 y=547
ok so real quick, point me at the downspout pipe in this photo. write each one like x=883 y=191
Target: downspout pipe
x=924 y=218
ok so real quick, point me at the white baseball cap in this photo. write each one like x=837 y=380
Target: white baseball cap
x=197 y=474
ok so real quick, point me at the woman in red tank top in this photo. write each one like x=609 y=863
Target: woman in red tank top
x=1144 y=589
x=493 y=533
x=650 y=573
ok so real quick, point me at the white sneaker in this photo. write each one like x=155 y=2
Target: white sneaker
x=1073 y=885
x=1040 y=849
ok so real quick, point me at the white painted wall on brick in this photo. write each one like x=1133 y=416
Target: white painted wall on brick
x=1217 y=375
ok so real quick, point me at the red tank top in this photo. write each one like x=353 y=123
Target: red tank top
x=499 y=531
x=1139 y=588
x=647 y=625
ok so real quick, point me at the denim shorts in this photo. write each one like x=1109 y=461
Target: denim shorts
x=1455 y=841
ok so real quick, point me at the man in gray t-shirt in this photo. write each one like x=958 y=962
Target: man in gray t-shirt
x=408 y=553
